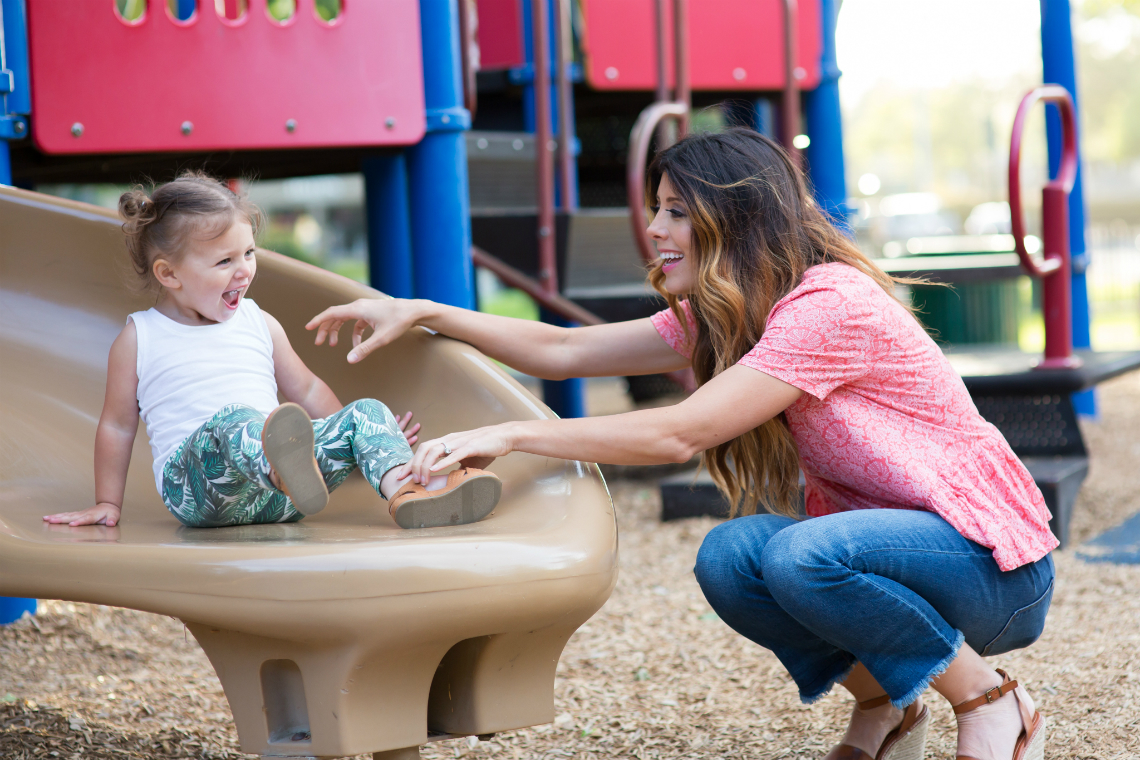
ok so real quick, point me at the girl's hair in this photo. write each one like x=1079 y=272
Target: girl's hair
x=755 y=231
x=161 y=224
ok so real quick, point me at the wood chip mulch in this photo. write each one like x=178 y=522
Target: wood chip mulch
x=654 y=675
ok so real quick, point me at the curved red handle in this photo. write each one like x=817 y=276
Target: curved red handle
x=1062 y=183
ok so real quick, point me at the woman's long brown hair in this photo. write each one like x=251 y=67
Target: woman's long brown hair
x=755 y=231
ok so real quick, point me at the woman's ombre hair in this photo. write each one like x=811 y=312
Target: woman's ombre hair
x=755 y=231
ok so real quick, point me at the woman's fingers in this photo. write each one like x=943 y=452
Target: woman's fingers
x=335 y=314
x=375 y=341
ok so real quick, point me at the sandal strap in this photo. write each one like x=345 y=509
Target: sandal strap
x=871 y=704
x=990 y=695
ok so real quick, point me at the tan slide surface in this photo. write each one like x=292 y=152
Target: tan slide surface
x=337 y=635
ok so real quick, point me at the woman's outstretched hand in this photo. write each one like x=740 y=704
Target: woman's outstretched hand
x=472 y=448
x=388 y=318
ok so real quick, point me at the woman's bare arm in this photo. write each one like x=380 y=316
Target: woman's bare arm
x=540 y=350
x=735 y=401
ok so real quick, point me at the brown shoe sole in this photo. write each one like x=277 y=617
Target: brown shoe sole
x=470 y=501
x=287 y=439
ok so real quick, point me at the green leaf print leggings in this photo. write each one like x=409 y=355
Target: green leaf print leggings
x=219 y=475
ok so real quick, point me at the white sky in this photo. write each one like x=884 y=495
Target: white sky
x=930 y=43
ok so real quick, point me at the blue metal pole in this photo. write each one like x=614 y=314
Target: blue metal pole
x=1059 y=67
x=437 y=168
x=15 y=101
x=388 y=223
x=825 y=127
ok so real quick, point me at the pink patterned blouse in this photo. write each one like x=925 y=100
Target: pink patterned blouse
x=884 y=420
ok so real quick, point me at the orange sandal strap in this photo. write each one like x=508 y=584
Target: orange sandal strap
x=990 y=695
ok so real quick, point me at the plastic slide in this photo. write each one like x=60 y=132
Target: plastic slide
x=337 y=635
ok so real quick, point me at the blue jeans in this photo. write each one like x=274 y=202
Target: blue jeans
x=897 y=590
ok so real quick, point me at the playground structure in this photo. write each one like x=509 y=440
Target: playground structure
x=520 y=163
x=334 y=636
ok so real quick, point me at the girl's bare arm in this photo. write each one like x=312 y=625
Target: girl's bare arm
x=114 y=437
x=540 y=350
x=295 y=380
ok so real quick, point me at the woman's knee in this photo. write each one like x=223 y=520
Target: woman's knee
x=733 y=550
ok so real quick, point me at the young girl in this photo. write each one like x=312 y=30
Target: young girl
x=203 y=367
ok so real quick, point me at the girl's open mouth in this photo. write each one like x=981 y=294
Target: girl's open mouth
x=670 y=260
x=231 y=297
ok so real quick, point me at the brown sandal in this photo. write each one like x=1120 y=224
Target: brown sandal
x=287 y=440
x=1031 y=743
x=907 y=742
x=468 y=497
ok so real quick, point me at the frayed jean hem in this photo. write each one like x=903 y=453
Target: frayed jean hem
x=809 y=699
x=938 y=669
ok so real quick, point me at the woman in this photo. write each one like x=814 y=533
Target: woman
x=925 y=530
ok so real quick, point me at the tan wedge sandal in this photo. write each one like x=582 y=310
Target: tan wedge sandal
x=1031 y=744
x=287 y=439
x=469 y=496
x=907 y=742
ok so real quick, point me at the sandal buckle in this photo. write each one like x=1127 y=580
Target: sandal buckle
x=989 y=695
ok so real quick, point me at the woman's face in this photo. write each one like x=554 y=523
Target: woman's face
x=672 y=233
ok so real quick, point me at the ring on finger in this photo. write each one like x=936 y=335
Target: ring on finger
x=446 y=450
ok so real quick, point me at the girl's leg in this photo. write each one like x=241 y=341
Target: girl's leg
x=364 y=434
x=219 y=475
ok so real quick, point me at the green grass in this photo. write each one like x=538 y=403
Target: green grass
x=511 y=303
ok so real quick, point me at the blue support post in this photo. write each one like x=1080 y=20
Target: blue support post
x=763 y=118
x=15 y=104
x=1059 y=67
x=388 y=223
x=825 y=127
x=437 y=168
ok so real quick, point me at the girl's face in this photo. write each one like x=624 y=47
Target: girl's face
x=208 y=282
x=672 y=233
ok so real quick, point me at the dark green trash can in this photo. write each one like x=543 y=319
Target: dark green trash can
x=975 y=312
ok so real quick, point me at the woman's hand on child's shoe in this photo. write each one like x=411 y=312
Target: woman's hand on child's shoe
x=474 y=448
x=102 y=513
x=409 y=432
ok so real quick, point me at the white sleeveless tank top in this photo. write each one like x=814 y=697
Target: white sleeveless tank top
x=187 y=374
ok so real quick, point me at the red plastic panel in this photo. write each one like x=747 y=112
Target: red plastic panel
x=500 y=34
x=735 y=44
x=219 y=84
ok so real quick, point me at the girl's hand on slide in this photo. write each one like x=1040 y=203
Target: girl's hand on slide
x=102 y=513
x=388 y=319
x=409 y=432
x=473 y=448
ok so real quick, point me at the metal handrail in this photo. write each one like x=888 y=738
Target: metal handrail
x=647 y=122
x=468 y=26
x=543 y=158
x=552 y=302
x=563 y=53
x=1054 y=268
x=790 y=99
